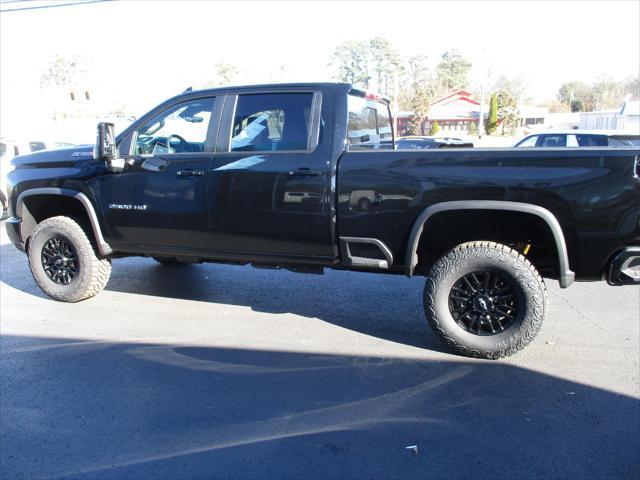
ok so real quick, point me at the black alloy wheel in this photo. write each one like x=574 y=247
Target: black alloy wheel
x=59 y=260
x=483 y=303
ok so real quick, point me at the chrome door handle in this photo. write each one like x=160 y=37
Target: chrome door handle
x=189 y=173
x=304 y=172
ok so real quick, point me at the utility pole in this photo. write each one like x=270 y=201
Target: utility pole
x=394 y=113
x=483 y=81
x=481 y=116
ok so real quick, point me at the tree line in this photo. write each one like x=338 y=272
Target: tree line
x=605 y=93
x=413 y=82
x=413 y=85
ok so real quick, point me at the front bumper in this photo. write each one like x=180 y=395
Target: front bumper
x=625 y=268
x=5 y=206
x=13 y=231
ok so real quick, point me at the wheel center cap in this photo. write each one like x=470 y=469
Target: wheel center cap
x=61 y=261
x=482 y=303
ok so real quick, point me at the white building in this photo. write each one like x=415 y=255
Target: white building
x=626 y=118
x=562 y=121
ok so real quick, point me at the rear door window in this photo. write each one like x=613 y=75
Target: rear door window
x=593 y=140
x=272 y=122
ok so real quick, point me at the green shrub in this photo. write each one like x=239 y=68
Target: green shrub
x=492 y=122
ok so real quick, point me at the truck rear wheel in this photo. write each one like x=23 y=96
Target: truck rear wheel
x=485 y=300
x=64 y=263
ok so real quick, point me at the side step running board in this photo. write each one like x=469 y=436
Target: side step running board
x=364 y=262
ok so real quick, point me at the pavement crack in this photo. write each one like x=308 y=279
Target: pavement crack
x=583 y=315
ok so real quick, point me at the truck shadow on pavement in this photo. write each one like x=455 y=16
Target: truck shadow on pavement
x=384 y=306
x=80 y=409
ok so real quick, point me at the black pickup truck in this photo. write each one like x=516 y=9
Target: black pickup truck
x=306 y=177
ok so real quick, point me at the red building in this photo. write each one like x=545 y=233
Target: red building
x=454 y=113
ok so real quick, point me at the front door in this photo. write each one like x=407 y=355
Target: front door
x=159 y=200
x=269 y=184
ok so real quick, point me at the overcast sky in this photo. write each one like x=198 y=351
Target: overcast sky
x=156 y=49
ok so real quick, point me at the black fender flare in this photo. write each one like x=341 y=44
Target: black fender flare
x=103 y=247
x=566 y=276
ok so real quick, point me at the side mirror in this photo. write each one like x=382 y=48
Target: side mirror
x=105 y=148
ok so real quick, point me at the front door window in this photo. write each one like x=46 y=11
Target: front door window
x=181 y=129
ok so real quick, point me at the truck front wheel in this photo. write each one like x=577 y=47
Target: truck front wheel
x=64 y=263
x=485 y=300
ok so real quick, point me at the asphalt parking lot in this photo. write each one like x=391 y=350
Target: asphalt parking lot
x=212 y=371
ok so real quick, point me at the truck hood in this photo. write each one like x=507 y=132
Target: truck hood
x=62 y=155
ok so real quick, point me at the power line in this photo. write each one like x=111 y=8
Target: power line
x=54 y=5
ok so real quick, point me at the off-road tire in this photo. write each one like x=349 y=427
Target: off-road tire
x=93 y=272
x=472 y=256
x=169 y=261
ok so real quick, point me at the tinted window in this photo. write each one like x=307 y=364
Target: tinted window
x=592 y=140
x=625 y=141
x=529 y=142
x=36 y=146
x=271 y=122
x=414 y=144
x=180 y=129
x=369 y=123
x=551 y=141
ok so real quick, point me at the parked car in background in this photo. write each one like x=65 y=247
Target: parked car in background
x=581 y=138
x=420 y=142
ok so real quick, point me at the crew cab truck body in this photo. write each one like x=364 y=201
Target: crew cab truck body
x=284 y=176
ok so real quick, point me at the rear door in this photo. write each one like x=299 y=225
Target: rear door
x=270 y=177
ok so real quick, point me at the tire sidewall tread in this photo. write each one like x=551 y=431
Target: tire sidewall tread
x=94 y=271
x=467 y=257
